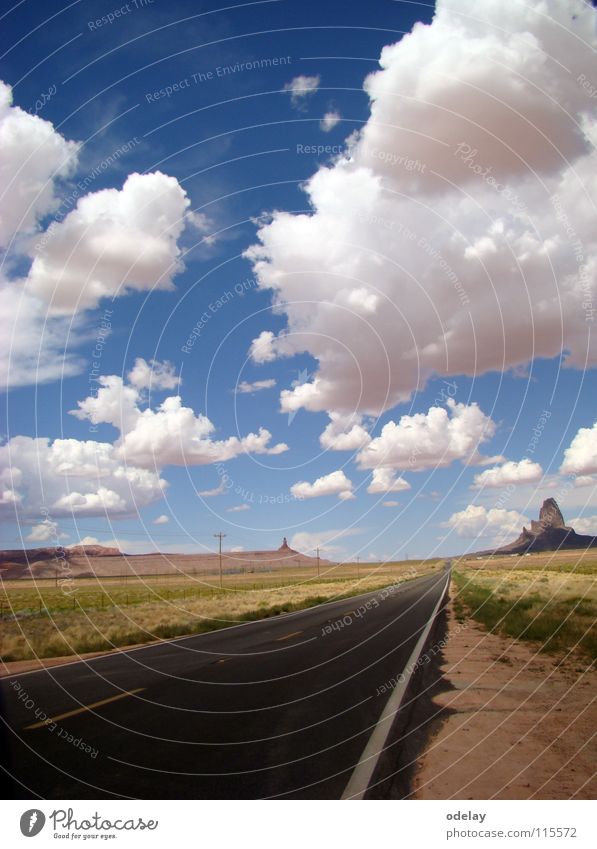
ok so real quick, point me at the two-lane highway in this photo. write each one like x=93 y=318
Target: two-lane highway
x=281 y=707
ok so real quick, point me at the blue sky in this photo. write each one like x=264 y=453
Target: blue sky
x=415 y=304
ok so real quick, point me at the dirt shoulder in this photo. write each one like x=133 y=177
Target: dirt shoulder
x=513 y=723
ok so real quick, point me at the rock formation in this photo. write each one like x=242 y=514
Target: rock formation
x=550 y=533
x=285 y=547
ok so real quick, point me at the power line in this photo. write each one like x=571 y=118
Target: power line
x=220 y=536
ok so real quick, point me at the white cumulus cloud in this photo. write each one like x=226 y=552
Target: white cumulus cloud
x=477 y=521
x=34 y=157
x=459 y=209
x=35 y=347
x=70 y=477
x=386 y=480
x=113 y=242
x=580 y=458
x=524 y=471
x=46 y=531
x=429 y=440
x=584 y=525
x=153 y=375
x=336 y=483
x=345 y=432
x=170 y=435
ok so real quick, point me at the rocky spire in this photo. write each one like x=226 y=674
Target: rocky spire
x=550 y=514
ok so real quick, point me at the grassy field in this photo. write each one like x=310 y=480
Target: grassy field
x=547 y=598
x=580 y=562
x=41 y=619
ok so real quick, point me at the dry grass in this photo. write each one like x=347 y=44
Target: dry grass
x=577 y=561
x=547 y=599
x=40 y=620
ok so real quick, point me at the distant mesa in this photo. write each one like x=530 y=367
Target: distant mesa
x=550 y=533
x=93 y=551
x=46 y=562
x=83 y=561
x=35 y=555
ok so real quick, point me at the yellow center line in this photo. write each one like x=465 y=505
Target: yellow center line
x=288 y=636
x=81 y=709
x=223 y=660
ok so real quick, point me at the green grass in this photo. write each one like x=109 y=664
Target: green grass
x=59 y=645
x=41 y=621
x=42 y=597
x=557 y=624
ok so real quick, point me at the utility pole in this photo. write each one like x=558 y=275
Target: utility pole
x=358 y=561
x=220 y=536
x=318 y=561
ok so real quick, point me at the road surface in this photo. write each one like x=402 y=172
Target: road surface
x=280 y=708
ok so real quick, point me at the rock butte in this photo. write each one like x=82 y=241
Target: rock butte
x=550 y=533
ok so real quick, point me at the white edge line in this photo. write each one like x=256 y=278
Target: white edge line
x=155 y=643
x=363 y=771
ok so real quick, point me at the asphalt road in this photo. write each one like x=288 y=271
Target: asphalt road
x=278 y=708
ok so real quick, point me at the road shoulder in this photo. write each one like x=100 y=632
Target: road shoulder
x=511 y=723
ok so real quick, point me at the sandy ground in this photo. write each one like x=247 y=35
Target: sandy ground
x=514 y=724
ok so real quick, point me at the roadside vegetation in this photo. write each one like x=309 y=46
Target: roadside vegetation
x=43 y=620
x=549 y=600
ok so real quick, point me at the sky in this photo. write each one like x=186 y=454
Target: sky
x=317 y=270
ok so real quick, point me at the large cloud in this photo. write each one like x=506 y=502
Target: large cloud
x=336 y=483
x=525 y=471
x=70 y=477
x=430 y=440
x=34 y=159
x=457 y=237
x=46 y=531
x=113 y=242
x=344 y=433
x=477 y=521
x=34 y=155
x=584 y=525
x=153 y=375
x=33 y=346
x=170 y=435
x=581 y=457
x=385 y=480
